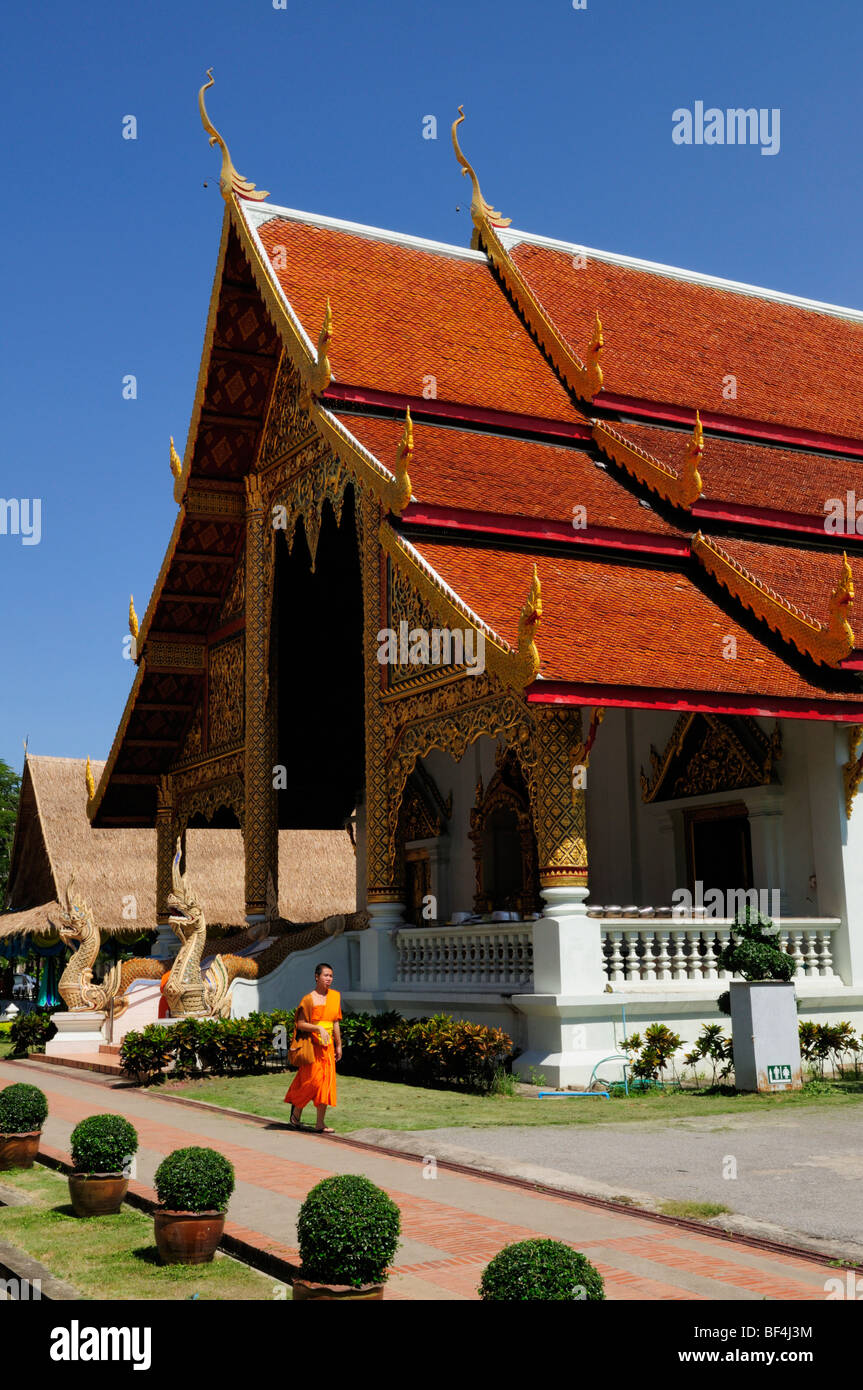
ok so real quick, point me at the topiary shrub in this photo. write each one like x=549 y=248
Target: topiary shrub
x=348 y=1231
x=103 y=1144
x=541 y=1269
x=753 y=951
x=23 y=1109
x=194 y=1180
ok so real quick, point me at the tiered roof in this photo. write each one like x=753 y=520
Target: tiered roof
x=702 y=425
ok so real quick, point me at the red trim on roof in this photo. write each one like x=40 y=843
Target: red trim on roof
x=761 y=516
x=540 y=529
x=731 y=424
x=699 y=701
x=450 y=410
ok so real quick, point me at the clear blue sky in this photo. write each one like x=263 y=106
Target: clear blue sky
x=110 y=245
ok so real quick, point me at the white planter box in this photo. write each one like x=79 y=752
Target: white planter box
x=765 y=1033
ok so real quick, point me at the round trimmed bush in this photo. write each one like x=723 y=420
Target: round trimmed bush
x=348 y=1231
x=103 y=1144
x=23 y=1109
x=194 y=1180
x=541 y=1269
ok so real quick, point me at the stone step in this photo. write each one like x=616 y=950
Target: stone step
x=88 y=1061
x=110 y=1049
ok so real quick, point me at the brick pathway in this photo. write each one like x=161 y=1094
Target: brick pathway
x=451 y=1225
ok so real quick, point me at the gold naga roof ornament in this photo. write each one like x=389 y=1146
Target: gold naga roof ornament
x=692 y=486
x=829 y=643
x=133 y=618
x=400 y=492
x=321 y=374
x=230 y=181
x=529 y=620
x=480 y=210
x=593 y=366
x=176 y=462
x=88 y=779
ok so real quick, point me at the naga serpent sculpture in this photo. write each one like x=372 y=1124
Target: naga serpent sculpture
x=184 y=988
x=76 y=983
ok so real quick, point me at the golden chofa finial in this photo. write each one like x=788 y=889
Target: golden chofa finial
x=480 y=210
x=323 y=371
x=230 y=181
x=133 y=618
x=528 y=622
x=593 y=365
x=400 y=491
x=841 y=598
x=176 y=462
x=691 y=484
x=88 y=778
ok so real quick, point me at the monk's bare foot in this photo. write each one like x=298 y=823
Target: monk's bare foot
x=324 y=1129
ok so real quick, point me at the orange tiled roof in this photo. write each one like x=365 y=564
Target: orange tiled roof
x=675 y=341
x=609 y=623
x=756 y=475
x=802 y=575
x=402 y=315
x=495 y=473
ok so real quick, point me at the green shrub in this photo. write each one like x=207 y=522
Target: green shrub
x=30 y=1031
x=541 y=1269
x=712 y=1046
x=194 y=1180
x=103 y=1144
x=652 y=1053
x=752 y=949
x=145 y=1055
x=348 y=1230
x=23 y=1109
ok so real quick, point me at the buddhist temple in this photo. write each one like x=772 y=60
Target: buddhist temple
x=513 y=559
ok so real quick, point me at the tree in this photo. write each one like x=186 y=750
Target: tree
x=10 y=787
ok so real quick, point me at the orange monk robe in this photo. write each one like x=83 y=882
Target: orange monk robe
x=317 y=1082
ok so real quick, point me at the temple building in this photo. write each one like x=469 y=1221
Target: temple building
x=534 y=567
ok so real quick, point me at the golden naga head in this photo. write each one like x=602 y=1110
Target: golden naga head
x=480 y=210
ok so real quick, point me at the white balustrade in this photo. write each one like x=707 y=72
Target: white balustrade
x=689 y=951
x=495 y=957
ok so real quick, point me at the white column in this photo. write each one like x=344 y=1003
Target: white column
x=377 y=950
x=764 y=805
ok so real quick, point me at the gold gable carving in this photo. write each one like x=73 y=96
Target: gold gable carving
x=226 y=694
x=711 y=753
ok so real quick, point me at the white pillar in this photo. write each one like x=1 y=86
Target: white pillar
x=377 y=949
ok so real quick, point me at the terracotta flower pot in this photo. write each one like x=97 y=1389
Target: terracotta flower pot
x=306 y=1288
x=19 y=1150
x=97 y=1194
x=188 y=1237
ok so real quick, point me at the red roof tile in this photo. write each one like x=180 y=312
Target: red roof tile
x=676 y=341
x=402 y=315
x=606 y=623
x=495 y=473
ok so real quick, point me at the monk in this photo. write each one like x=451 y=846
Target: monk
x=318 y=1014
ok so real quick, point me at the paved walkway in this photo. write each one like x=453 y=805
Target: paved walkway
x=800 y=1172
x=452 y=1224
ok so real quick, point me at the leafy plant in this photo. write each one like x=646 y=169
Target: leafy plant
x=652 y=1053
x=30 y=1031
x=541 y=1270
x=194 y=1180
x=713 y=1046
x=23 y=1109
x=147 y=1054
x=103 y=1144
x=752 y=949
x=348 y=1231
x=821 y=1042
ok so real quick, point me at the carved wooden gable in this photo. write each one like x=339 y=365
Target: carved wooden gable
x=711 y=753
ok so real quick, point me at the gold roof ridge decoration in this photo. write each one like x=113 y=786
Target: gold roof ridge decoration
x=529 y=620
x=133 y=618
x=176 y=463
x=594 y=354
x=89 y=782
x=583 y=380
x=230 y=181
x=829 y=644
x=681 y=489
x=852 y=771
x=400 y=493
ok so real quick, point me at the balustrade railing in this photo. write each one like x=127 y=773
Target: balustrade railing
x=494 y=957
x=667 y=952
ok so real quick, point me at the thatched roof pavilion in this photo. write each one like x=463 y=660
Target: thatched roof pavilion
x=115 y=869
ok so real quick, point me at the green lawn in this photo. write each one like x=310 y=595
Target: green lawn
x=389 y=1105
x=114 y=1257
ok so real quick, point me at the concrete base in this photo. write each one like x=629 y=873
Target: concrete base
x=765 y=1032
x=82 y=1031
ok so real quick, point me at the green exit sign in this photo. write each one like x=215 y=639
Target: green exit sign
x=779 y=1073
